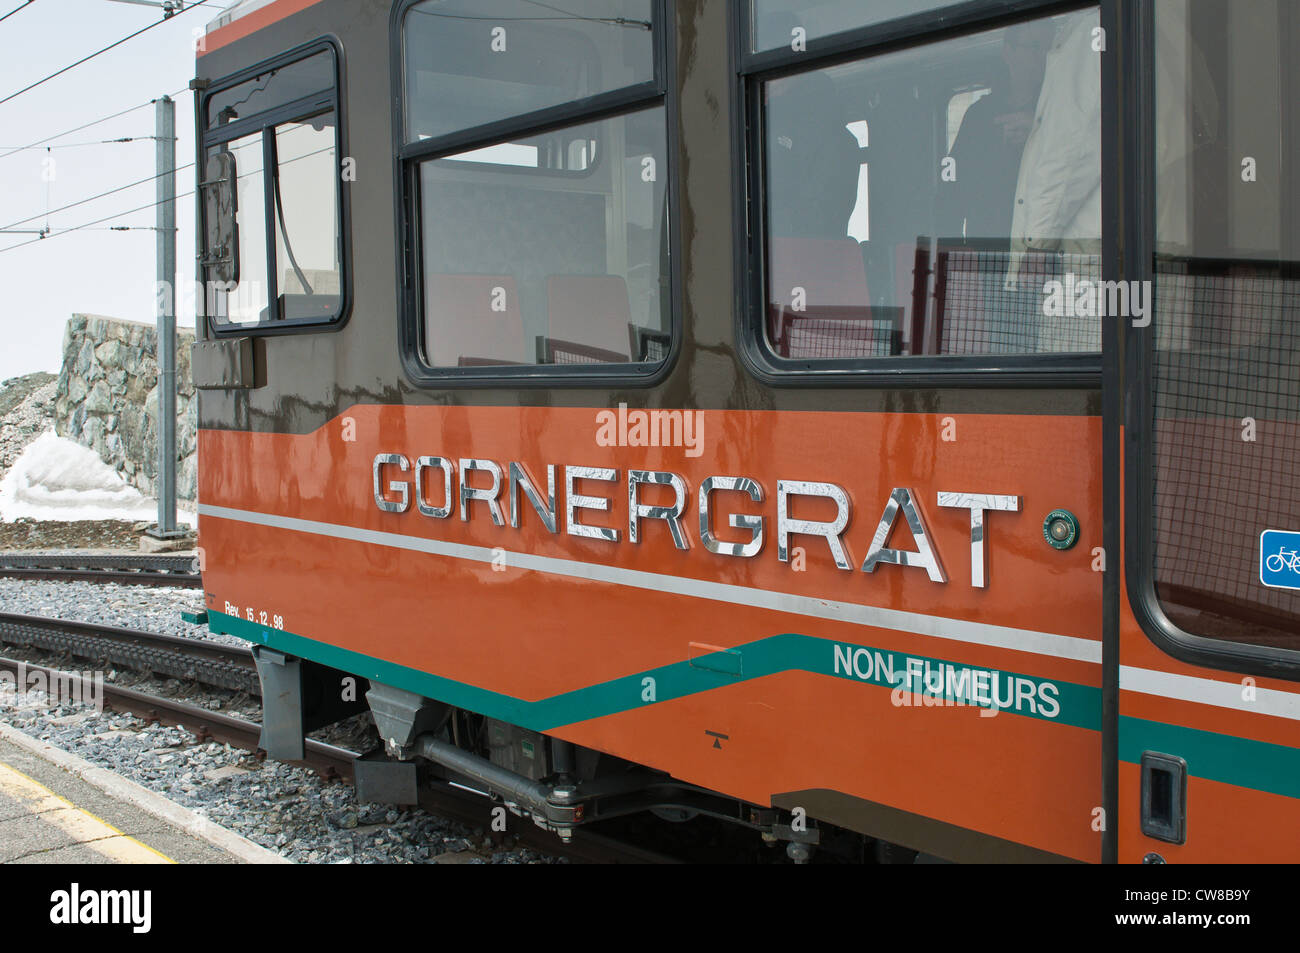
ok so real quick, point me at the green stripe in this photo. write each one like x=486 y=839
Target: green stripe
x=1243 y=762
x=1218 y=757
x=1079 y=705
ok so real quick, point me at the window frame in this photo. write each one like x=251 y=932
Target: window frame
x=1139 y=437
x=1058 y=371
x=408 y=157
x=265 y=123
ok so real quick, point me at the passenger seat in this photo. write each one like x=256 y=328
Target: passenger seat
x=589 y=317
x=473 y=320
x=834 y=319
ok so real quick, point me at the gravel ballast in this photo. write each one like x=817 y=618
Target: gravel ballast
x=283 y=807
x=149 y=608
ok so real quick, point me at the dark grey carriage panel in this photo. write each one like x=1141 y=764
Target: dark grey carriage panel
x=313 y=376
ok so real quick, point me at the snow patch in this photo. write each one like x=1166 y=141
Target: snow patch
x=58 y=479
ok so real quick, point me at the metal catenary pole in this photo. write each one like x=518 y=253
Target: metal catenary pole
x=166 y=306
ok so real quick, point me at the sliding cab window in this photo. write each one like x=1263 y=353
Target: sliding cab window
x=1223 y=349
x=273 y=236
x=938 y=201
x=535 y=177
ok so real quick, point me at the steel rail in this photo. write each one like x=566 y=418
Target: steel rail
x=328 y=761
x=121 y=577
x=139 y=570
x=209 y=663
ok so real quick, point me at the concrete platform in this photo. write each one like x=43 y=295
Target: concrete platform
x=54 y=809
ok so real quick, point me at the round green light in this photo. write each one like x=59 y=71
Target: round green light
x=1061 y=529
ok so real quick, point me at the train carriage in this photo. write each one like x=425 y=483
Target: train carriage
x=844 y=418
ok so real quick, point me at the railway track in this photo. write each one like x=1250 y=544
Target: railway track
x=157 y=570
x=232 y=667
x=209 y=663
x=327 y=760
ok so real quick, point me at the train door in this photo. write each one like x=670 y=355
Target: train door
x=930 y=199
x=1207 y=735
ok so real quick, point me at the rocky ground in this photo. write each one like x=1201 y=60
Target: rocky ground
x=151 y=608
x=107 y=535
x=26 y=412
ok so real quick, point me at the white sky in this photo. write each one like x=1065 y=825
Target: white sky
x=94 y=272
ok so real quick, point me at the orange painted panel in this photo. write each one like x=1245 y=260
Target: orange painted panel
x=1225 y=824
x=533 y=634
x=1022 y=779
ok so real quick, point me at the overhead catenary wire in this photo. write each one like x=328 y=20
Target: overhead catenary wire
x=75 y=145
x=116 y=43
x=87 y=225
x=26 y=4
x=88 y=125
x=122 y=188
x=86 y=201
x=100 y=221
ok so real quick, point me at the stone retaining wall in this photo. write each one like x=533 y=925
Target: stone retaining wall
x=107 y=398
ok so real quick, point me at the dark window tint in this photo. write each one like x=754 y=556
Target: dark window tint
x=548 y=250
x=272 y=89
x=471 y=62
x=1226 y=376
x=944 y=200
x=783 y=23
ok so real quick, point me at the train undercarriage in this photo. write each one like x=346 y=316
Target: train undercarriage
x=558 y=785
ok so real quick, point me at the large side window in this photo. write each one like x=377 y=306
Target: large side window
x=273 y=243
x=939 y=203
x=1222 y=361
x=535 y=178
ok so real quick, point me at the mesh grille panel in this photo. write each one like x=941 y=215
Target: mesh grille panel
x=813 y=337
x=1228 y=349
x=993 y=302
x=975 y=301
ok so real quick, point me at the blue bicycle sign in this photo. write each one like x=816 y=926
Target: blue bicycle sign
x=1279 y=559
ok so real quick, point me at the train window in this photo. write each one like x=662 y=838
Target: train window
x=246 y=303
x=942 y=201
x=793 y=23
x=542 y=242
x=279 y=262
x=271 y=89
x=473 y=62
x=543 y=269
x=1224 y=370
x=306 y=208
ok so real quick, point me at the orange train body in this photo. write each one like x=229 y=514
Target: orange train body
x=326 y=532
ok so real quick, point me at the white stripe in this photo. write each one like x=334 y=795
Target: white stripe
x=1209 y=691
x=976 y=633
